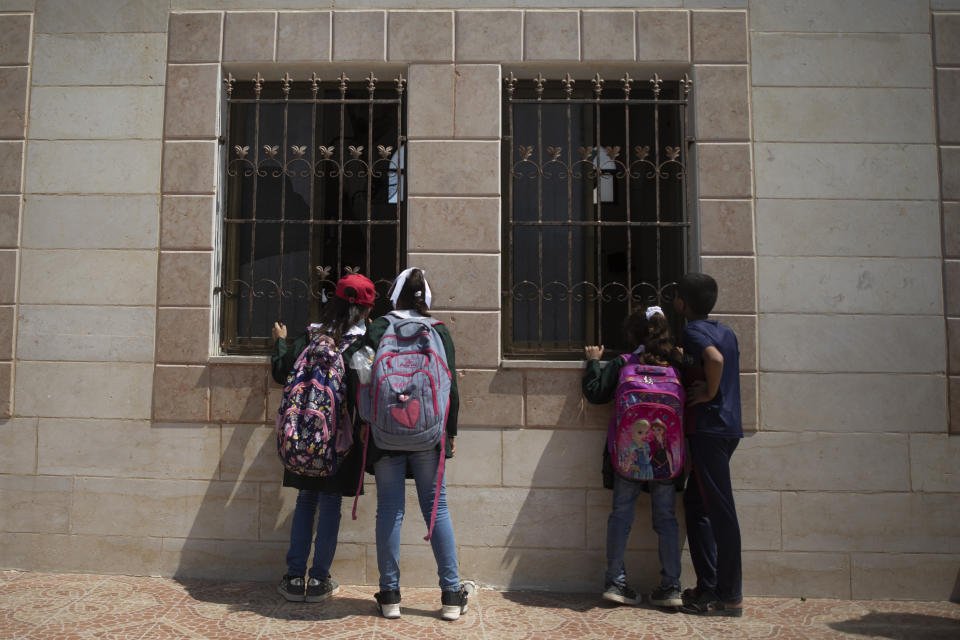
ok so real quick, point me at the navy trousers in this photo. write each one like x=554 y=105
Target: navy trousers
x=712 y=527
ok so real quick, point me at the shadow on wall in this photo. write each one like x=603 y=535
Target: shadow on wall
x=900 y=625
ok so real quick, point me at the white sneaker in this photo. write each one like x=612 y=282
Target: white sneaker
x=388 y=602
x=454 y=603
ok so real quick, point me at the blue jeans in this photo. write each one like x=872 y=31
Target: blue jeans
x=301 y=531
x=390 y=470
x=663 y=496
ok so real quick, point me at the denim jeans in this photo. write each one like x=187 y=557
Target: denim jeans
x=301 y=531
x=390 y=471
x=663 y=496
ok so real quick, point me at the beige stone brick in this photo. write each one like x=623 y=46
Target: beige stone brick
x=303 y=36
x=479 y=337
x=946 y=34
x=608 y=35
x=726 y=227
x=856 y=402
x=796 y=461
x=551 y=35
x=249 y=36
x=14 y=40
x=489 y=36
x=181 y=393
x=478 y=461
x=359 y=35
x=449 y=272
x=866 y=522
x=536 y=569
x=951 y=229
x=8 y=276
x=469 y=168
x=237 y=393
x=86 y=333
x=950 y=172
x=857 y=228
x=114 y=166
x=90 y=222
x=719 y=36
x=724 y=170
x=736 y=279
x=951 y=285
x=82 y=554
x=934 y=463
x=553 y=398
x=663 y=36
x=953 y=345
x=430 y=105
x=95 y=59
x=748 y=401
x=76 y=16
x=276 y=515
x=490 y=398
x=954 y=394
x=925 y=576
x=18 y=444
x=67 y=276
x=418 y=36
x=846 y=343
x=546 y=458
x=183 y=335
x=9 y=221
x=189 y=167
x=759 y=515
x=453 y=224
x=863 y=16
x=745 y=328
x=13 y=101
x=37 y=504
x=128 y=449
x=194 y=37
x=840 y=60
x=186 y=222
x=217 y=559
x=6 y=389
x=791 y=575
x=127 y=396
x=184 y=278
x=478 y=96
x=11 y=166
x=249 y=454
x=192 y=98
x=722 y=99
x=7 y=317
x=850 y=285
x=166 y=508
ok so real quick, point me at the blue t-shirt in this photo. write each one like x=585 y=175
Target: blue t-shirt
x=720 y=416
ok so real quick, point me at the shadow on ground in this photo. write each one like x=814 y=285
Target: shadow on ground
x=901 y=626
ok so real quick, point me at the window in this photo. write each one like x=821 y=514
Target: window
x=595 y=216
x=314 y=189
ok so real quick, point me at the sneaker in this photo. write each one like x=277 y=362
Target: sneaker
x=708 y=604
x=320 y=590
x=292 y=588
x=622 y=595
x=666 y=597
x=453 y=603
x=693 y=593
x=388 y=603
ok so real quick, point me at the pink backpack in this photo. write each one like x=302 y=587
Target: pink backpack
x=645 y=439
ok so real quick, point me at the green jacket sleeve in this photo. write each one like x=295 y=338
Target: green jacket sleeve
x=284 y=355
x=600 y=382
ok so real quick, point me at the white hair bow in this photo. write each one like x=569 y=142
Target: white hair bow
x=401 y=279
x=652 y=311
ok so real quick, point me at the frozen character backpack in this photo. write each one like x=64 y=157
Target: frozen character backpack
x=314 y=432
x=645 y=439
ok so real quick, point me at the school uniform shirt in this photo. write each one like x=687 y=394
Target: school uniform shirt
x=372 y=339
x=720 y=417
x=351 y=469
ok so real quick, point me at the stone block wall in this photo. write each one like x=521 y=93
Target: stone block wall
x=817 y=208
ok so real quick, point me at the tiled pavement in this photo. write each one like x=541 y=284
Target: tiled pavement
x=69 y=606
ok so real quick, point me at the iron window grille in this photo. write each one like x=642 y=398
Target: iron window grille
x=595 y=218
x=315 y=189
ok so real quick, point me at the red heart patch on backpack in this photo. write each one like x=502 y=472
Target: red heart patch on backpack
x=407 y=415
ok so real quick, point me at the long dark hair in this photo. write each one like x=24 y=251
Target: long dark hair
x=654 y=335
x=338 y=315
x=413 y=295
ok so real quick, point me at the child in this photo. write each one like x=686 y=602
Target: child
x=344 y=319
x=714 y=430
x=649 y=334
x=411 y=297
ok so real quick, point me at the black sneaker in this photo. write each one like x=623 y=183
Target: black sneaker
x=453 y=603
x=388 y=603
x=693 y=593
x=708 y=604
x=320 y=590
x=666 y=597
x=620 y=594
x=292 y=588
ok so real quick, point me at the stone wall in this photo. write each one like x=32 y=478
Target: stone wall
x=157 y=455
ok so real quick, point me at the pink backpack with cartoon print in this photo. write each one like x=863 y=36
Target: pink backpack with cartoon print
x=645 y=438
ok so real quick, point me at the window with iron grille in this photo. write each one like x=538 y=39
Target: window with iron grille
x=315 y=189
x=595 y=216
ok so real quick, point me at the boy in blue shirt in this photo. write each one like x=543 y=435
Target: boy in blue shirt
x=714 y=429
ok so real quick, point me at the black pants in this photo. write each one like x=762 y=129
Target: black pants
x=712 y=527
